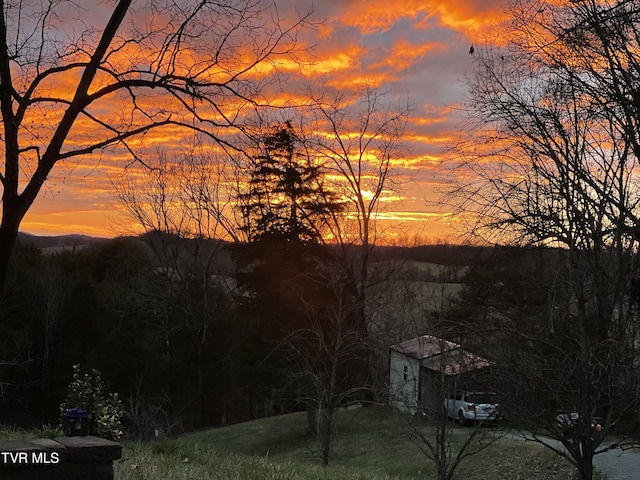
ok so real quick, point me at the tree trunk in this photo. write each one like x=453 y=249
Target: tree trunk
x=312 y=420
x=585 y=465
x=586 y=468
x=325 y=431
x=8 y=237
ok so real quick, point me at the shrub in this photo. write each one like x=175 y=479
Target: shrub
x=104 y=410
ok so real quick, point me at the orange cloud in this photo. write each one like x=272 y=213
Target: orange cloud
x=404 y=53
x=467 y=16
x=470 y=16
x=355 y=80
x=348 y=54
x=347 y=58
x=379 y=15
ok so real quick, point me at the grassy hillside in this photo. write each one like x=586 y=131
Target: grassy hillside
x=371 y=443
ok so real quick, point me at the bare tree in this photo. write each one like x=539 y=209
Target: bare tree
x=53 y=288
x=360 y=138
x=69 y=90
x=329 y=360
x=550 y=160
x=440 y=440
x=183 y=213
x=188 y=195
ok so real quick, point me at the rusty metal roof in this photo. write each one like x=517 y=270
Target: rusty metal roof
x=455 y=362
x=441 y=355
x=424 y=346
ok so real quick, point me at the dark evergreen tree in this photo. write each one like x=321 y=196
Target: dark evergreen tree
x=286 y=207
x=286 y=197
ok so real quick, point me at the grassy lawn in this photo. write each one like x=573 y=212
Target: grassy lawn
x=371 y=443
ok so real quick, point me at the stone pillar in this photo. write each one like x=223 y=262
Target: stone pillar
x=63 y=458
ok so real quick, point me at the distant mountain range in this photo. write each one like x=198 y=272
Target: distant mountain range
x=71 y=240
x=455 y=255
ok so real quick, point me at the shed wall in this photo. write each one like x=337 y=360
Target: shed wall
x=404 y=382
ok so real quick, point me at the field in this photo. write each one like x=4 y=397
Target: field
x=371 y=443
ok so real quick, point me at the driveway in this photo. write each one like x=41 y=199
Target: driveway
x=615 y=464
x=619 y=464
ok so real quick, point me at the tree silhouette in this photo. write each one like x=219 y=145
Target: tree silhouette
x=68 y=90
x=286 y=198
x=551 y=160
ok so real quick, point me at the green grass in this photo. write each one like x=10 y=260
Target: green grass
x=46 y=431
x=371 y=443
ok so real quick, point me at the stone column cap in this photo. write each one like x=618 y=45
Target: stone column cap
x=90 y=449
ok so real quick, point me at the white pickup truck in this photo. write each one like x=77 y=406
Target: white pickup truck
x=467 y=407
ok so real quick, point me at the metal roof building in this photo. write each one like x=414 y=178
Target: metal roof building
x=413 y=364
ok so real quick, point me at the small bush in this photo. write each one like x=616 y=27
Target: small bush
x=48 y=431
x=104 y=410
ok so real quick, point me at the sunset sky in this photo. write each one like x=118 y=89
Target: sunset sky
x=417 y=49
